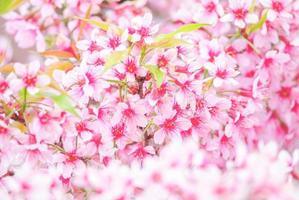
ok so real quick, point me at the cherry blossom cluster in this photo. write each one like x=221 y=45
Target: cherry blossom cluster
x=135 y=99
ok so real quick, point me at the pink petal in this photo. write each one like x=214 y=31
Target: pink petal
x=183 y=124
x=159 y=136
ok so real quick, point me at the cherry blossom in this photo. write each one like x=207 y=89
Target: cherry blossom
x=277 y=8
x=27 y=77
x=170 y=125
x=240 y=14
x=142 y=30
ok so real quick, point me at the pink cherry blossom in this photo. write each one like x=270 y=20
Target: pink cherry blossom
x=277 y=8
x=170 y=125
x=27 y=77
x=142 y=30
x=239 y=13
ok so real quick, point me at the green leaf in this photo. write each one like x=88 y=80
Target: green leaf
x=50 y=41
x=252 y=6
x=9 y=5
x=258 y=25
x=183 y=29
x=167 y=43
x=100 y=24
x=114 y=58
x=62 y=100
x=157 y=73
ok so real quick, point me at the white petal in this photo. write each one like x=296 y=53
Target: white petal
x=16 y=84
x=227 y=18
x=43 y=80
x=271 y=15
x=20 y=69
x=266 y=3
x=83 y=44
x=252 y=18
x=136 y=37
x=147 y=19
x=32 y=90
x=33 y=67
x=295 y=42
x=218 y=82
x=240 y=23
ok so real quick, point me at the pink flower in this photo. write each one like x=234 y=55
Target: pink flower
x=5 y=90
x=92 y=45
x=239 y=13
x=277 y=8
x=188 y=88
x=211 y=11
x=28 y=78
x=200 y=129
x=164 y=59
x=140 y=151
x=46 y=128
x=272 y=64
x=22 y=29
x=132 y=114
x=96 y=59
x=85 y=82
x=223 y=71
x=130 y=69
x=217 y=108
x=169 y=125
x=141 y=29
x=112 y=41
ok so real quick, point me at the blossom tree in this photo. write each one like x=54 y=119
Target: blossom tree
x=149 y=99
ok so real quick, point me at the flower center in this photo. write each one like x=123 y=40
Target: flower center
x=44 y=119
x=93 y=47
x=285 y=92
x=131 y=66
x=128 y=113
x=118 y=131
x=139 y=153
x=169 y=124
x=268 y=62
x=30 y=80
x=143 y=32
x=3 y=130
x=196 y=121
x=221 y=73
x=277 y=6
x=210 y=7
x=99 y=62
x=81 y=126
x=213 y=110
x=114 y=42
x=240 y=13
x=3 y=86
x=72 y=157
x=162 y=61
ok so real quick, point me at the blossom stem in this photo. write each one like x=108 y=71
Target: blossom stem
x=25 y=101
